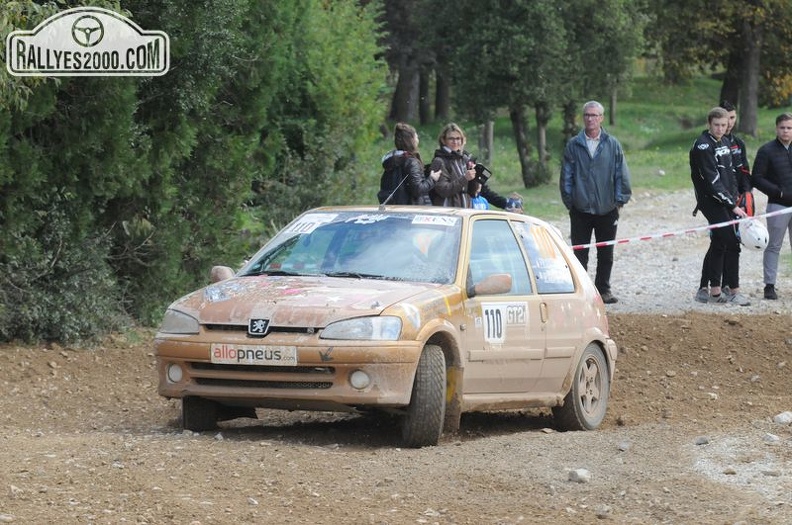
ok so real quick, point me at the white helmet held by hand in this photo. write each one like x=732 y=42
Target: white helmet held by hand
x=753 y=234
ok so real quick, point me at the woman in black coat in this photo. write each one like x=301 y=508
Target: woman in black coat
x=407 y=157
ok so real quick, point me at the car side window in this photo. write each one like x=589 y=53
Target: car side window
x=550 y=268
x=494 y=249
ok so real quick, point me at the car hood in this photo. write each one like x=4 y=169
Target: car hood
x=294 y=301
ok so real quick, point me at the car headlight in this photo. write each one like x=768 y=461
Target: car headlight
x=176 y=322
x=385 y=328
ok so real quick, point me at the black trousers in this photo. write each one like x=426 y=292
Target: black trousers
x=721 y=264
x=581 y=225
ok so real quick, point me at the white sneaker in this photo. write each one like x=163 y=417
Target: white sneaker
x=735 y=298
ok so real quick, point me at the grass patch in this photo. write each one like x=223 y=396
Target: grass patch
x=655 y=123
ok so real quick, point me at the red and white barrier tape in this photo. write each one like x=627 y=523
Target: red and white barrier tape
x=680 y=232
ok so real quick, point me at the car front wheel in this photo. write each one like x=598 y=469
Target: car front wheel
x=423 y=423
x=585 y=405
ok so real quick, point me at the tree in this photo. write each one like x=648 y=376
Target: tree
x=134 y=187
x=775 y=88
x=746 y=39
x=265 y=129
x=409 y=59
x=498 y=64
x=570 y=50
x=67 y=146
x=606 y=37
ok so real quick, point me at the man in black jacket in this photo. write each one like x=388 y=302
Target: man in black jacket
x=739 y=154
x=715 y=183
x=772 y=175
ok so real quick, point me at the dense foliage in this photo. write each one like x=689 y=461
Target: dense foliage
x=748 y=41
x=119 y=194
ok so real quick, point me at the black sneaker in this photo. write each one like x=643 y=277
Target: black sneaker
x=769 y=292
x=608 y=298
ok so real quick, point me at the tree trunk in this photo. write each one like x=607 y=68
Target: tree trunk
x=520 y=129
x=405 y=97
x=753 y=35
x=612 y=110
x=749 y=87
x=424 y=103
x=543 y=115
x=442 y=93
x=486 y=141
x=730 y=89
x=570 y=127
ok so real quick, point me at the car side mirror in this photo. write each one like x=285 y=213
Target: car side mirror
x=494 y=284
x=220 y=273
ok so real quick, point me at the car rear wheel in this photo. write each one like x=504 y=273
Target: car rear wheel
x=199 y=414
x=422 y=425
x=587 y=401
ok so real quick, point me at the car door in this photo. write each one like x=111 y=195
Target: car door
x=505 y=344
x=561 y=305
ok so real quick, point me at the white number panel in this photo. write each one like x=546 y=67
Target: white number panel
x=497 y=316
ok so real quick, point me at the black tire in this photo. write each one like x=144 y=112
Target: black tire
x=199 y=414
x=422 y=425
x=587 y=401
x=225 y=413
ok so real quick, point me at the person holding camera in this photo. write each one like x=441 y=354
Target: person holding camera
x=456 y=167
x=595 y=184
x=459 y=177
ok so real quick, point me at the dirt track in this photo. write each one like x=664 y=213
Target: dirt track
x=86 y=439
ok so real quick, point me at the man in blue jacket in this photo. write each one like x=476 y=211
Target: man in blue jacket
x=595 y=184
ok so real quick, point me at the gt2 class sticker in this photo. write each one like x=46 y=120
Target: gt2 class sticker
x=308 y=223
x=497 y=316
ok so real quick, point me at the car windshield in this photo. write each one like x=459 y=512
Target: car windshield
x=391 y=246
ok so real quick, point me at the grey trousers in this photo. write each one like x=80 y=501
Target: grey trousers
x=777 y=227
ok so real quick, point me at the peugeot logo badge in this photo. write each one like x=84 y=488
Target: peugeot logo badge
x=258 y=327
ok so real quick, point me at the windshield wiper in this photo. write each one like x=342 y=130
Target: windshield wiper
x=275 y=273
x=356 y=275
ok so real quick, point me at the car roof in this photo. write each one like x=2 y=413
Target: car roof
x=433 y=210
x=465 y=213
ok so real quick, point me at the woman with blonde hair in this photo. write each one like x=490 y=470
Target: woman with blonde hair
x=456 y=168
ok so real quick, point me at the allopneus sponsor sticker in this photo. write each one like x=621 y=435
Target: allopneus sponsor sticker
x=233 y=354
x=87 y=41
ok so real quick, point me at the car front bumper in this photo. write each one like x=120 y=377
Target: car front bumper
x=322 y=379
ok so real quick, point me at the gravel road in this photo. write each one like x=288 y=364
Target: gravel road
x=695 y=432
x=661 y=275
